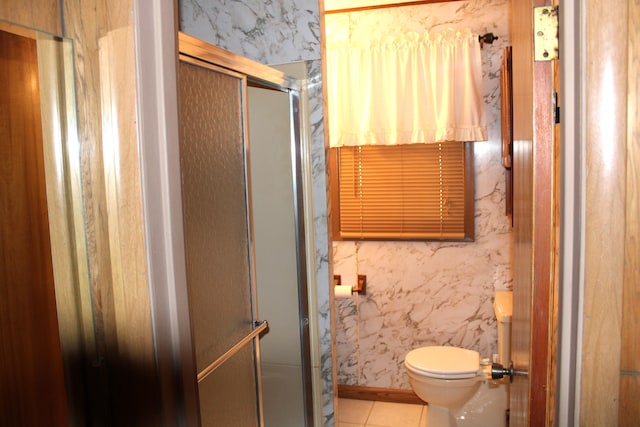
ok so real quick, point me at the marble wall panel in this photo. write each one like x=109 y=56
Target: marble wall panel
x=428 y=293
x=274 y=32
x=322 y=247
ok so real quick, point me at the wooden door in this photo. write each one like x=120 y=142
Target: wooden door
x=534 y=222
x=32 y=388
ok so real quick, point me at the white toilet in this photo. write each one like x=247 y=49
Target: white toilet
x=457 y=385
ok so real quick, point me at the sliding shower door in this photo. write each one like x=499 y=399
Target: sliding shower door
x=217 y=244
x=244 y=235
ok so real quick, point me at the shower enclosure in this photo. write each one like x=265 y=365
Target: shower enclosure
x=244 y=240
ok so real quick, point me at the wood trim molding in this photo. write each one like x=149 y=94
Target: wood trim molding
x=385 y=6
x=378 y=394
x=41 y=15
x=157 y=48
x=543 y=241
x=629 y=410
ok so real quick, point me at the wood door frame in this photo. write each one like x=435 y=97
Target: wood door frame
x=157 y=48
x=597 y=242
x=534 y=277
x=544 y=244
x=544 y=252
x=571 y=199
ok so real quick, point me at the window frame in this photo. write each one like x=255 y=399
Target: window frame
x=469 y=203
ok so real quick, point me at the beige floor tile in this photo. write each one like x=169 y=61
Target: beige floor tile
x=341 y=424
x=353 y=411
x=423 y=416
x=386 y=414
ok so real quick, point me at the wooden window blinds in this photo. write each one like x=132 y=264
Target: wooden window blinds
x=403 y=192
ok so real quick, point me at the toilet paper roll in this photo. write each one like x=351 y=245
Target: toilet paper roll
x=343 y=291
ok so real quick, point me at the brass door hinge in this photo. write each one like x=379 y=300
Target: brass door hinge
x=545 y=33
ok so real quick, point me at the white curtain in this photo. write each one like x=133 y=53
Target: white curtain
x=413 y=88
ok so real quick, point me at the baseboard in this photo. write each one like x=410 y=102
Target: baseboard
x=379 y=394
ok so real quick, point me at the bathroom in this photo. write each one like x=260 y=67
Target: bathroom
x=429 y=293
x=481 y=280
x=106 y=37
x=418 y=293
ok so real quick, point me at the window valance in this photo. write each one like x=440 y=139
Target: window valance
x=411 y=88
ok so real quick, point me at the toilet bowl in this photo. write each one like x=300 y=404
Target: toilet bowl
x=458 y=389
x=457 y=384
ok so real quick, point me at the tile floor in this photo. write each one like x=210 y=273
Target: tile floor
x=365 y=413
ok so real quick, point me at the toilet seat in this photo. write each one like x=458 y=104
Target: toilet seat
x=443 y=362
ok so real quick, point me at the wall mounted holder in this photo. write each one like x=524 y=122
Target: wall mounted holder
x=360 y=287
x=487 y=38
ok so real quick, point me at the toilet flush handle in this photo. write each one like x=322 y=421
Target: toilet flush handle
x=498 y=371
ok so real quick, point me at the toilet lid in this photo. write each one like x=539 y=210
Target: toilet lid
x=444 y=362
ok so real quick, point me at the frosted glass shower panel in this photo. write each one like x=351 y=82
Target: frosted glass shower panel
x=215 y=214
x=224 y=400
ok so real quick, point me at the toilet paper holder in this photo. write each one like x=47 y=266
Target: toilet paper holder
x=360 y=287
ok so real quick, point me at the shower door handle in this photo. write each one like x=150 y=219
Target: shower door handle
x=259 y=325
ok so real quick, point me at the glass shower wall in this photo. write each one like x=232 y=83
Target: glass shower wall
x=277 y=260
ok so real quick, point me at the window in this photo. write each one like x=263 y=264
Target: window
x=403 y=192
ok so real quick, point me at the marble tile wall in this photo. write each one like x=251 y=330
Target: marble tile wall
x=320 y=218
x=273 y=32
x=421 y=293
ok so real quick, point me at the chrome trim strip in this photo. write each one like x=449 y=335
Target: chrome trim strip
x=260 y=326
x=196 y=48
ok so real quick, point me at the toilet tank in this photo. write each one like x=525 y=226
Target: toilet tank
x=503 y=308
